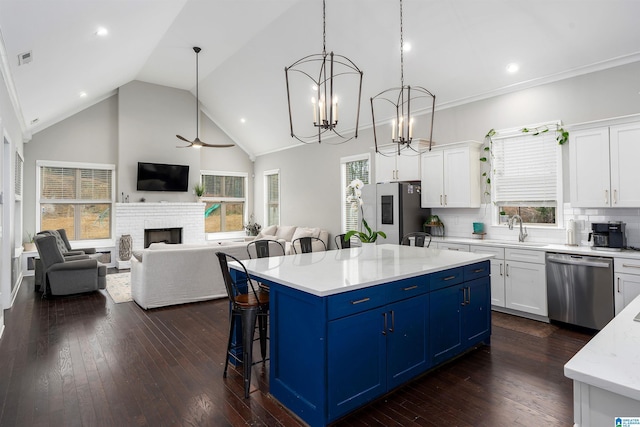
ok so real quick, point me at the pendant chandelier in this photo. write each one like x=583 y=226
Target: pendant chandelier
x=399 y=106
x=321 y=82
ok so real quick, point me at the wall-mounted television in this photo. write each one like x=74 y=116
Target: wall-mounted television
x=162 y=177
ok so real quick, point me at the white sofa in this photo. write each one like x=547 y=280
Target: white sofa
x=289 y=233
x=164 y=274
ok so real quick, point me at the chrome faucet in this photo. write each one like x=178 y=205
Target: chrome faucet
x=522 y=234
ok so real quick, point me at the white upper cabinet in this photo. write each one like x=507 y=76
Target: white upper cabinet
x=451 y=176
x=392 y=167
x=603 y=166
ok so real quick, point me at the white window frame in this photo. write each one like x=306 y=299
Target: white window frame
x=265 y=216
x=79 y=165
x=343 y=183
x=517 y=132
x=245 y=200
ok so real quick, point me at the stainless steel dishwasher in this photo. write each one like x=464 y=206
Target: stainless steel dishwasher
x=580 y=289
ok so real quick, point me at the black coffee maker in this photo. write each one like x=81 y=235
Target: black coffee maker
x=608 y=235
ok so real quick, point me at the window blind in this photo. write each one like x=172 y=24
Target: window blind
x=358 y=169
x=525 y=170
x=61 y=183
x=273 y=199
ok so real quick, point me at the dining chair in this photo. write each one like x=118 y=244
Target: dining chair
x=341 y=243
x=419 y=238
x=249 y=305
x=265 y=248
x=305 y=244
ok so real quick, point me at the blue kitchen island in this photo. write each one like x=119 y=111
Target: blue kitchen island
x=348 y=326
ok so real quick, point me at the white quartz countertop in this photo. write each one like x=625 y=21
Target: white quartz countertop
x=611 y=360
x=541 y=246
x=336 y=271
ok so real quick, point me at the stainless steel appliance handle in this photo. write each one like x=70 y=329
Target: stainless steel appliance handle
x=578 y=261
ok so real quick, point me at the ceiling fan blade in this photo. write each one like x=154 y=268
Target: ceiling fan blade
x=204 y=144
x=184 y=146
x=183 y=138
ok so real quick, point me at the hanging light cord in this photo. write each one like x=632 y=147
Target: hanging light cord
x=324 y=28
x=401 y=50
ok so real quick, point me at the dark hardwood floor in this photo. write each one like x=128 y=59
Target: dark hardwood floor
x=85 y=361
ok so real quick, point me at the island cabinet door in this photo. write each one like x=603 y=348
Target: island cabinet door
x=445 y=322
x=407 y=339
x=476 y=312
x=356 y=361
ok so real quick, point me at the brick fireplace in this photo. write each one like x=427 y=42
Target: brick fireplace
x=135 y=218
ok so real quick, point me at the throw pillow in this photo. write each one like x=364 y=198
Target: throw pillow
x=268 y=231
x=286 y=232
x=305 y=232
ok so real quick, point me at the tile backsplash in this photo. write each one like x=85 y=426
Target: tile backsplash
x=459 y=223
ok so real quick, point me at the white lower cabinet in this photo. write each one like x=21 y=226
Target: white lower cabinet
x=453 y=246
x=497 y=272
x=518 y=279
x=627 y=282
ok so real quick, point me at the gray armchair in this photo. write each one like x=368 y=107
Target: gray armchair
x=65 y=248
x=68 y=275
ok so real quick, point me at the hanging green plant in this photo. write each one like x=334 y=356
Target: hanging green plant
x=562 y=135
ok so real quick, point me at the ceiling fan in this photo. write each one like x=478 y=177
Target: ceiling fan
x=196 y=143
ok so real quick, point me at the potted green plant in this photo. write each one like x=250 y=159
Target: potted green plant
x=252 y=227
x=29 y=245
x=354 y=196
x=198 y=189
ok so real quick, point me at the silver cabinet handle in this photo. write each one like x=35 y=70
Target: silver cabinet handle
x=441 y=200
x=410 y=288
x=464 y=296
x=360 y=301
x=468 y=295
x=393 y=321
x=615 y=197
x=618 y=285
x=453 y=249
x=445 y=200
x=501 y=269
x=384 y=330
x=630 y=266
x=507 y=270
x=449 y=278
x=606 y=197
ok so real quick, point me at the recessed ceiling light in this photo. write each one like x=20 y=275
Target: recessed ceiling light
x=83 y=94
x=243 y=120
x=102 y=32
x=513 y=67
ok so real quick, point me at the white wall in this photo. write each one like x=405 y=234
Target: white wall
x=10 y=141
x=310 y=176
x=140 y=123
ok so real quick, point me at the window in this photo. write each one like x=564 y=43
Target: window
x=272 y=197
x=527 y=177
x=353 y=167
x=225 y=198
x=77 y=197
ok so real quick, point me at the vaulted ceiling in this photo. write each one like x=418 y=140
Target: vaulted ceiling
x=460 y=49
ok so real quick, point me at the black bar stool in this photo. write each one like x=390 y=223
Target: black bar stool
x=249 y=305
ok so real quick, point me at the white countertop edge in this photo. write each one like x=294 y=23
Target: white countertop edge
x=600 y=362
x=541 y=246
x=446 y=260
x=355 y=287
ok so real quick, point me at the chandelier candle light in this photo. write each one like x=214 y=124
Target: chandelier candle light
x=324 y=83
x=404 y=101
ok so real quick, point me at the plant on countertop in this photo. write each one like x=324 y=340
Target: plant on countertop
x=199 y=189
x=354 y=196
x=252 y=227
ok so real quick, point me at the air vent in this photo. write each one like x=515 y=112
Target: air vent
x=24 y=58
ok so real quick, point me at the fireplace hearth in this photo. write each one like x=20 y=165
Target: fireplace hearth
x=162 y=235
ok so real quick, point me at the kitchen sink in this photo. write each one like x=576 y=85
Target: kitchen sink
x=511 y=243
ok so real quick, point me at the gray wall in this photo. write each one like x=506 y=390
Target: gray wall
x=140 y=123
x=310 y=186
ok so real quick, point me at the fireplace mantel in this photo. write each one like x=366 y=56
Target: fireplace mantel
x=134 y=218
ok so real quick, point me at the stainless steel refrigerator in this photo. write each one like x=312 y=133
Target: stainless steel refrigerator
x=394 y=208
